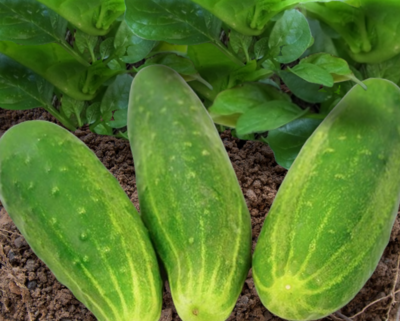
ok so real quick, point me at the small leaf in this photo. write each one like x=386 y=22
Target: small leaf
x=313 y=73
x=287 y=141
x=290 y=37
x=93 y=113
x=72 y=109
x=116 y=96
x=240 y=99
x=260 y=48
x=304 y=90
x=240 y=43
x=106 y=48
x=268 y=116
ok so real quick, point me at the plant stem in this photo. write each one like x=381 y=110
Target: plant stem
x=76 y=55
x=60 y=117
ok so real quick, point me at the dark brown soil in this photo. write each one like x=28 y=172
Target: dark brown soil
x=29 y=291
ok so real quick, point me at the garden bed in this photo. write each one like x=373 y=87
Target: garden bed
x=29 y=291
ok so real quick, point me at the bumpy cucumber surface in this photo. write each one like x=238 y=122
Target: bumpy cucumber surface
x=79 y=221
x=189 y=195
x=333 y=214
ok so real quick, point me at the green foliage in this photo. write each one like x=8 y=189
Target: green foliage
x=85 y=71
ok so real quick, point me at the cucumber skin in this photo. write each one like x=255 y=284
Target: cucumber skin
x=79 y=221
x=333 y=214
x=189 y=195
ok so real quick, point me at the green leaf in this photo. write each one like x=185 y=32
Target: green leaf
x=73 y=109
x=107 y=48
x=322 y=41
x=120 y=119
x=240 y=43
x=30 y=23
x=60 y=68
x=313 y=73
x=268 y=116
x=240 y=99
x=261 y=48
x=304 y=90
x=290 y=37
x=86 y=43
x=182 y=65
x=332 y=64
x=21 y=88
x=388 y=69
x=102 y=129
x=287 y=141
x=93 y=17
x=175 y=21
x=135 y=48
x=93 y=113
x=116 y=96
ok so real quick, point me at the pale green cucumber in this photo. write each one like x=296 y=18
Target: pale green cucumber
x=189 y=196
x=333 y=214
x=79 y=221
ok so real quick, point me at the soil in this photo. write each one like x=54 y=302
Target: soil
x=29 y=291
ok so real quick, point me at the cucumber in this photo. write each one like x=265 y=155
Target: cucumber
x=332 y=216
x=78 y=220
x=189 y=196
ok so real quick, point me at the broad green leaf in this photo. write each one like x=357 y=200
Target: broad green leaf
x=176 y=21
x=60 y=68
x=322 y=41
x=72 y=109
x=304 y=90
x=117 y=95
x=290 y=37
x=268 y=116
x=93 y=113
x=286 y=141
x=102 y=129
x=180 y=64
x=332 y=64
x=240 y=99
x=313 y=73
x=164 y=47
x=94 y=17
x=21 y=88
x=29 y=22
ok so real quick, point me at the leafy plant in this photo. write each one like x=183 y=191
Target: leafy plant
x=258 y=66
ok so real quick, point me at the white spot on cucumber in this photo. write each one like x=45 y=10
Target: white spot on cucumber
x=55 y=190
x=27 y=160
x=359 y=136
x=53 y=221
x=63 y=169
x=81 y=211
x=30 y=186
x=157 y=181
x=180 y=102
x=205 y=152
x=47 y=169
x=342 y=138
x=163 y=110
x=83 y=236
x=85 y=259
x=172 y=158
x=188 y=144
x=191 y=175
x=196 y=133
x=141 y=108
x=191 y=240
x=366 y=152
x=106 y=249
x=329 y=150
x=288 y=287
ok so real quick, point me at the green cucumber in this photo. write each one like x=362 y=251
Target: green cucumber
x=189 y=196
x=78 y=220
x=332 y=216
